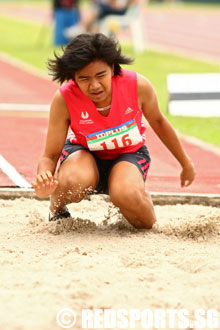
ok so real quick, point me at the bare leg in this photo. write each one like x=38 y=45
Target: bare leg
x=127 y=191
x=77 y=176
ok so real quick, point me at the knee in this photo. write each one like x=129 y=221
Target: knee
x=135 y=204
x=126 y=195
x=147 y=224
x=76 y=180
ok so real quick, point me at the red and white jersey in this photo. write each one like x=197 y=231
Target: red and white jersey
x=120 y=132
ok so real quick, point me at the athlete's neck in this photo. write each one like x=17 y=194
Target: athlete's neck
x=104 y=104
x=104 y=108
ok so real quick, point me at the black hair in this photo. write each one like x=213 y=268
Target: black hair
x=84 y=49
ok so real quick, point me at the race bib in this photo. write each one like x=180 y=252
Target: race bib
x=121 y=136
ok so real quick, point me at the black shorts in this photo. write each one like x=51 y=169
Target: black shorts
x=140 y=158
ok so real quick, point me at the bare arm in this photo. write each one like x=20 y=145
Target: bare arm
x=59 y=119
x=164 y=130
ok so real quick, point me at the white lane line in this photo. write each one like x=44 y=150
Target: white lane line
x=24 y=107
x=11 y=172
x=199 y=143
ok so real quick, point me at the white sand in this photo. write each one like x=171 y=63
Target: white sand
x=97 y=260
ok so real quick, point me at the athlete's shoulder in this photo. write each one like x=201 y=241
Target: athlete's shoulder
x=126 y=78
x=68 y=86
x=70 y=90
x=58 y=107
x=128 y=74
x=144 y=85
x=146 y=91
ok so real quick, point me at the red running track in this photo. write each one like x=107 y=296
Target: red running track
x=22 y=139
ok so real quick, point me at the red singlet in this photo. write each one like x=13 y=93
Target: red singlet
x=120 y=132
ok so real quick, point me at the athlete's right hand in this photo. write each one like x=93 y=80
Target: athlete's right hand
x=45 y=184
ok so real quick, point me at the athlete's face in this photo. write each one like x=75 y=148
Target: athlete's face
x=95 y=81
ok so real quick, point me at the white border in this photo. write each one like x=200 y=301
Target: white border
x=24 y=107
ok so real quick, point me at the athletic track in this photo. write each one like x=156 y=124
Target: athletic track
x=23 y=131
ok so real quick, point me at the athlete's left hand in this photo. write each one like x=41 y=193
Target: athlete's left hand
x=187 y=175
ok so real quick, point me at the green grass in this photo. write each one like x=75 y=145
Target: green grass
x=24 y=2
x=32 y=43
x=29 y=42
x=156 y=67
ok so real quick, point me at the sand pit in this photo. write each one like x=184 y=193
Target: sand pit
x=97 y=260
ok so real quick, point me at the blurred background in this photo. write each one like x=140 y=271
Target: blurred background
x=164 y=36
x=179 y=36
